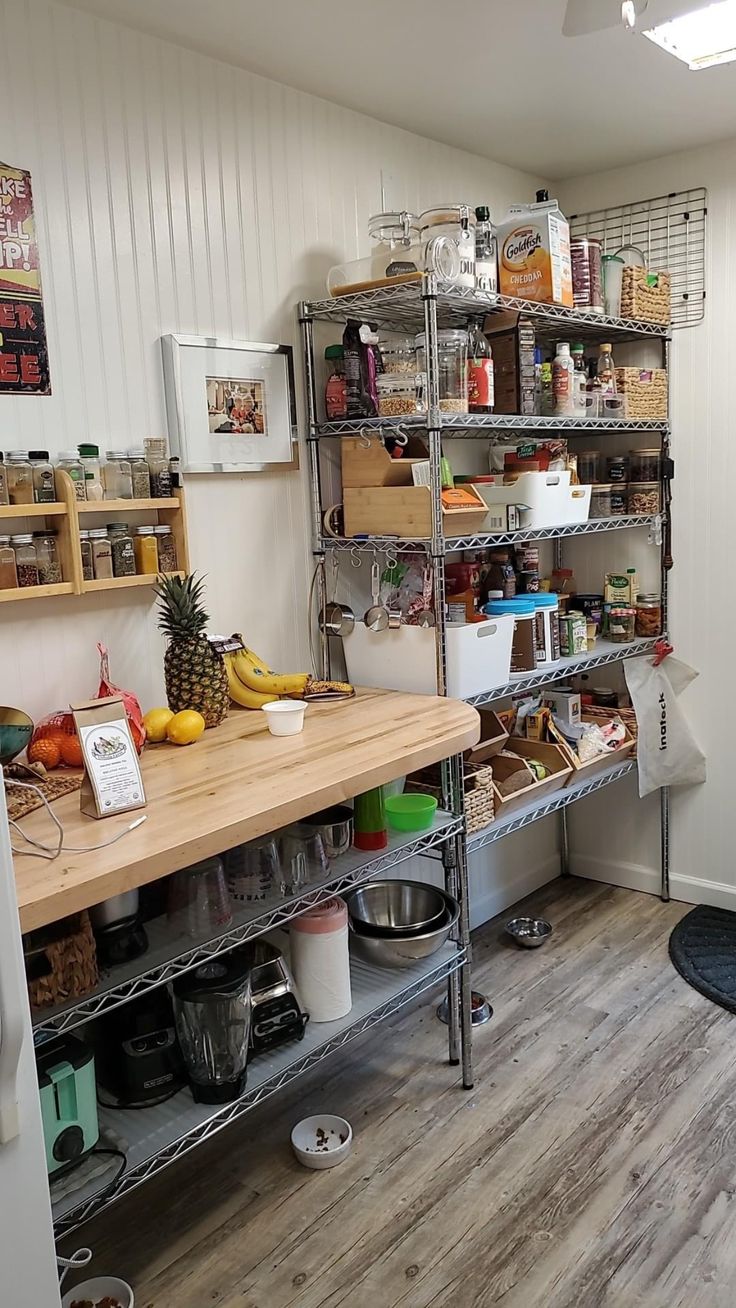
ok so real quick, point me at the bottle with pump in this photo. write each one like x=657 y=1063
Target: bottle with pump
x=579 y=380
x=480 y=372
x=562 y=380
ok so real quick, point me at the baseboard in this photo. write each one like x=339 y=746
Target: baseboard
x=488 y=900
x=634 y=876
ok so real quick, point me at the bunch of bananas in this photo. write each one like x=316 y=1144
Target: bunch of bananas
x=252 y=683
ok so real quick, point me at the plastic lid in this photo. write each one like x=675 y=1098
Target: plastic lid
x=325 y=918
x=653 y=600
x=482 y=213
x=84 y=534
x=89 y=451
x=25 y=538
x=520 y=606
x=17 y=454
x=334 y=352
x=546 y=601
x=606 y=347
x=144 y=531
x=577 y=348
x=226 y=975
x=41 y=456
x=116 y=526
x=563 y=346
x=71 y=455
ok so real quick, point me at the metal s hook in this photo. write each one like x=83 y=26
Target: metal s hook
x=365 y=438
x=355 y=559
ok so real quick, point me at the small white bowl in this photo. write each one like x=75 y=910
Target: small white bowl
x=321 y=1142
x=285 y=716
x=98 y=1288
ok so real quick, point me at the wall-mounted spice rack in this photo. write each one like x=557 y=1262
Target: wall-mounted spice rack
x=64 y=517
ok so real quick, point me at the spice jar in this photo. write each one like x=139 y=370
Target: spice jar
x=398 y=395
x=399 y=355
x=644 y=497
x=589 y=462
x=49 y=568
x=8 y=570
x=146 y=551
x=101 y=554
x=167 y=561
x=158 y=466
x=3 y=482
x=524 y=644
x=648 y=615
x=20 y=478
x=72 y=465
x=139 y=475
x=646 y=465
x=90 y=458
x=44 y=490
x=85 y=550
x=336 y=398
x=617 y=469
x=621 y=624
x=123 y=554
x=452 y=355
x=116 y=476
x=26 y=560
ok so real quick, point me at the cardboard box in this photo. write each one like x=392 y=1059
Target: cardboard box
x=512 y=339
x=534 y=254
x=565 y=704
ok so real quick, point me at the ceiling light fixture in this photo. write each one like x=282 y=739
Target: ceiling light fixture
x=629 y=14
x=701 y=38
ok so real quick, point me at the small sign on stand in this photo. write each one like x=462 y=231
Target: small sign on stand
x=112 y=775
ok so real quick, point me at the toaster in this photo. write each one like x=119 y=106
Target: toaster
x=66 y=1082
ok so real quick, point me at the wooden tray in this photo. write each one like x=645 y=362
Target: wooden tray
x=519 y=750
x=585 y=771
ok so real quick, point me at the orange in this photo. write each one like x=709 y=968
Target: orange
x=46 y=752
x=71 y=752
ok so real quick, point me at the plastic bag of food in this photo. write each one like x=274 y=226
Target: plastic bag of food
x=132 y=705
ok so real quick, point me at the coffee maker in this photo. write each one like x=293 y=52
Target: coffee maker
x=139 y=1062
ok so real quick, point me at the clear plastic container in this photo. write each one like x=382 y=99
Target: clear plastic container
x=139 y=475
x=8 y=569
x=455 y=223
x=452 y=350
x=158 y=466
x=123 y=553
x=116 y=476
x=395 y=255
x=44 y=489
x=621 y=624
x=589 y=470
x=85 y=550
x=47 y=555
x=3 y=481
x=645 y=497
x=72 y=465
x=613 y=271
x=26 y=559
x=167 y=560
x=90 y=457
x=146 y=551
x=20 y=477
x=101 y=554
x=645 y=465
x=600 y=501
x=399 y=355
x=400 y=395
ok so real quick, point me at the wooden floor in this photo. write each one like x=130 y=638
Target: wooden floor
x=593 y=1165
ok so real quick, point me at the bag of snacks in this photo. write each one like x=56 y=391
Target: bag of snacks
x=55 y=742
x=132 y=706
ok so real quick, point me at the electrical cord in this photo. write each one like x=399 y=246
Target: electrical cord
x=41 y=850
x=112 y=1153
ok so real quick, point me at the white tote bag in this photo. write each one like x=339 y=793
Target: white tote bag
x=667 y=753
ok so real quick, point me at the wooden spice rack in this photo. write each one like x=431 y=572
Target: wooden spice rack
x=64 y=517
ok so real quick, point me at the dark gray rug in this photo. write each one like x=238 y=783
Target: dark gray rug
x=703 y=949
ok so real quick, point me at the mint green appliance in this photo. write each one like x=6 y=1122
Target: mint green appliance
x=66 y=1081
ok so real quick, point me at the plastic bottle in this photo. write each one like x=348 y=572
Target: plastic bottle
x=605 y=371
x=562 y=383
x=547 y=399
x=480 y=372
x=579 y=380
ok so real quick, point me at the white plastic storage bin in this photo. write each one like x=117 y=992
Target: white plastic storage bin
x=548 y=498
x=478 y=657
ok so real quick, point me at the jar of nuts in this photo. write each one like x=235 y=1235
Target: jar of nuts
x=399 y=355
x=644 y=497
x=648 y=615
x=400 y=394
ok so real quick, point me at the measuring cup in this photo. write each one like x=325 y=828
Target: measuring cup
x=376 y=617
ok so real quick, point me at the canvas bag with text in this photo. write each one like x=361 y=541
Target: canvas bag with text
x=667 y=753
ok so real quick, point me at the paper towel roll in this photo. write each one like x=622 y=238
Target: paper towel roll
x=320 y=960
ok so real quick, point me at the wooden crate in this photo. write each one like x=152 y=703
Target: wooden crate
x=406 y=511
x=493 y=738
x=585 y=771
x=645 y=391
x=644 y=302
x=365 y=461
x=514 y=758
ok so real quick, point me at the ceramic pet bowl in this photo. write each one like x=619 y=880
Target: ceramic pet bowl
x=100 y=1287
x=322 y=1141
x=16 y=729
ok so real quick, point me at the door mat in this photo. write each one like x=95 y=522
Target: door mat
x=703 y=949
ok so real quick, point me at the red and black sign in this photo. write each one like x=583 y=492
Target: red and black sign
x=24 y=361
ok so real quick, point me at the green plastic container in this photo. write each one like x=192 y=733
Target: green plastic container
x=410 y=812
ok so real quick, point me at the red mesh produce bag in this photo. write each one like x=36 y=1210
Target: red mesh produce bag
x=132 y=706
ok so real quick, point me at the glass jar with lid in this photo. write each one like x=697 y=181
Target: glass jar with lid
x=101 y=554
x=167 y=560
x=20 y=477
x=26 y=559
x=8 y=570
x=123 y=553
x=47 y=557
x=400 y=395
x=646 y=465
x=139 y=474
x=146 y=551
x=90 y=459
x=71 y=464
x=399 y=354
x=44 y=489
x=648 y=620
x=158 y=466
x=3 y=481
x=452 y=352
x=621 y=624
x=395 y=255
x=85 y=550
x=116 y=476
x=600 y=500
x=456 y=223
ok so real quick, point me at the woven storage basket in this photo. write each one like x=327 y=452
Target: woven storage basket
x=66 y=952
x=479 y=795
x=644 y=302
x=645 y=390
x=626 y=715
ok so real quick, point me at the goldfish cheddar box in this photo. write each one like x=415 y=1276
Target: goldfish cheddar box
x=534 y=254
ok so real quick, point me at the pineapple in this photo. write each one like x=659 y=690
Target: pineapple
x=194 y=672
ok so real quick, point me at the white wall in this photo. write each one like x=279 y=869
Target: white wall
x=701 y=613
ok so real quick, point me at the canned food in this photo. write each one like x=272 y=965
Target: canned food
x=587 y=277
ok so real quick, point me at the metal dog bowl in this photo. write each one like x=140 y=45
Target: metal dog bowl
x=529 y=932
x=388 y=908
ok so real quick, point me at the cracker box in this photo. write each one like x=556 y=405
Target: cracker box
x=534 y=254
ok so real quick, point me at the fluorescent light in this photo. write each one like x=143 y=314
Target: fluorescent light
x=700 y=39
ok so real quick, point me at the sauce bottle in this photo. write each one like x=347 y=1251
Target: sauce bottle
x=480 y=372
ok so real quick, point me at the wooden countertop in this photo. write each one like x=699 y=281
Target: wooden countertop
x=236 y=783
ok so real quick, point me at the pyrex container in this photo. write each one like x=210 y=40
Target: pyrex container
x=452 y=351
x=587 y=279
x=524 y=644
x=456 y=223
x=645 y=465
x=320 y=960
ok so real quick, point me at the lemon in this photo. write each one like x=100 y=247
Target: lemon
x=156 y=721
x=185 y=727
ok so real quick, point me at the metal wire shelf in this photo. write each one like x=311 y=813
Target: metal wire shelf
x=391 y=544
x=567 y=667
x=166 y=958
x=403 y=307
x=164 y=1133
x=535 y=812
x=485 y=424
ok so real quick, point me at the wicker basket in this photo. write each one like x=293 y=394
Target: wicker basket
x=595 y=713
x=645 y=390
x=644 y=302
x=62 y=959
x=479 y=794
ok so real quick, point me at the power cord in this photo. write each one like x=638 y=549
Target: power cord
x=41 y=850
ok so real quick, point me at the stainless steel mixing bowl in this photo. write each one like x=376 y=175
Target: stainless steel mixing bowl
x=387 y=908
x=403 y=951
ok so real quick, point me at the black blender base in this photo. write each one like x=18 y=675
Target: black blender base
x=222 y=1093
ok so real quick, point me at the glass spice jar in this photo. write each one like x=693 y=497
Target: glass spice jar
x=648 y=620
x=90 y=459
x=158 y=466
x=146 y=551
x=49 y=568
x=116 y=476
x=123 y=553
x=600 y=501
x=101 y=554
x=20 y=478
x=621 y=624
x=26 y=559
x=71 y=464
x=85 y=550
x=3 y=481
x=167 y=560
x=139 y=475
x=44 y=488
x=8 y=570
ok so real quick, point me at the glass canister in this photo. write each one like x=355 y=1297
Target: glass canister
x=47 y=555
x=158 y=466
x=452 y=351
x=20 y=477
x=396 y=249
x=167 y=560
x=621 y=624
x=146 y=551
x=648 y=615
x=589 y=469
x=456 y=222
x=8 y=569
x=123 y=553
x=85 y=550
x=116 y=476
x=71 y=464
x=619 y=499
x=90 y=457
x=26 y=560
x=399 y=355
x=645 y=497
x=617 y=468
x=3 y=481
x=139 y=475
x=600 y=501
x=101 y=554
x=646 y=465
x=400 y=395
x=44 y=489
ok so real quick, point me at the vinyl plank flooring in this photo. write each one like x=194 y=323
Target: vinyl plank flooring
x=591 y=1167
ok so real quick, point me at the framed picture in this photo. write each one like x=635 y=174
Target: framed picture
x=230 y=404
